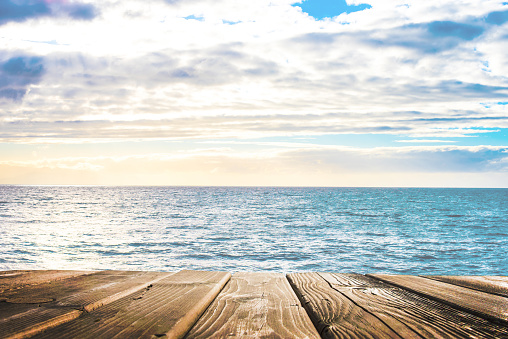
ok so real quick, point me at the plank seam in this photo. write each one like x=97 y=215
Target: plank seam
x=255 y=305
x=69 y=316
x=305 y=306
x=185 y=324
x=365 y=310
x=469 y=287
x=41 y=327
x=487 y=317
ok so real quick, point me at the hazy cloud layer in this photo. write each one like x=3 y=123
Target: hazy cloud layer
x=320 y=166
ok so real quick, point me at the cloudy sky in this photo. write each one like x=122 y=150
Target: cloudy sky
x=265 y=92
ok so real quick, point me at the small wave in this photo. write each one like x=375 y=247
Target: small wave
x=451 y=250
x=308 y=267
x=425 y=257
x=109 y=252
x=17 y=251
x=487 y=242
x=221 y=238
x=201 y=256
x=375 y=234
x=139 y=244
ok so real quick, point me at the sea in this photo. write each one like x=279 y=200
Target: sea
x=452 y=231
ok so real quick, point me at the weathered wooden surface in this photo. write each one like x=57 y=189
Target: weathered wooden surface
x=167 y=308
x=35 y=308
x=22 y=278
x=490 y=284
x=409 y=314
x=489 y=306
x=255 y=305
x=334 y=315
x=119 y=304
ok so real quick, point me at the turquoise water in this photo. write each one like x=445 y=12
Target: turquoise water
x=364 y=230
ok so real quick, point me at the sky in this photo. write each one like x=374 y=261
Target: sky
x=254 y=93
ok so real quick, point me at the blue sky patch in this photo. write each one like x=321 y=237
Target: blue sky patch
x=486 y=136
x=24 y=67
x=17 y=73
x=12 y=11
x=227 y=22
x=497 y=18
x=321 y=9
x=454 y=29
x=193 y=17
x=19 y=11
x=82 y=11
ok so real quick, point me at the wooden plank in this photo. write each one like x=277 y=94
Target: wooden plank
x=168 y=308
x=21 y=278
x=409 y=314
x=489 y=284
x=333 y=314
x=32 y=309
x=255 y=305
x=489 y=306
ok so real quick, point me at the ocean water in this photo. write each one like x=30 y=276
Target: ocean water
x=364 y=230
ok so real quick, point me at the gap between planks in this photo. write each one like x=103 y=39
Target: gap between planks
x=169 y=308
x=491 y=284
x=42 y=326
x=410 y=314
x=486 y=305
x=255 y=305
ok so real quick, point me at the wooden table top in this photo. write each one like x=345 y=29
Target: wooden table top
x=208 y=304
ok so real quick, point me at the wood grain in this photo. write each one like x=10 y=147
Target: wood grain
x=488 y=306
x=32 y=309
x=334 y=315
x=255 y=305
x=411 y=315
x=20 y=278
x=167 y=309
x=116 y=304
x=489 y=284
